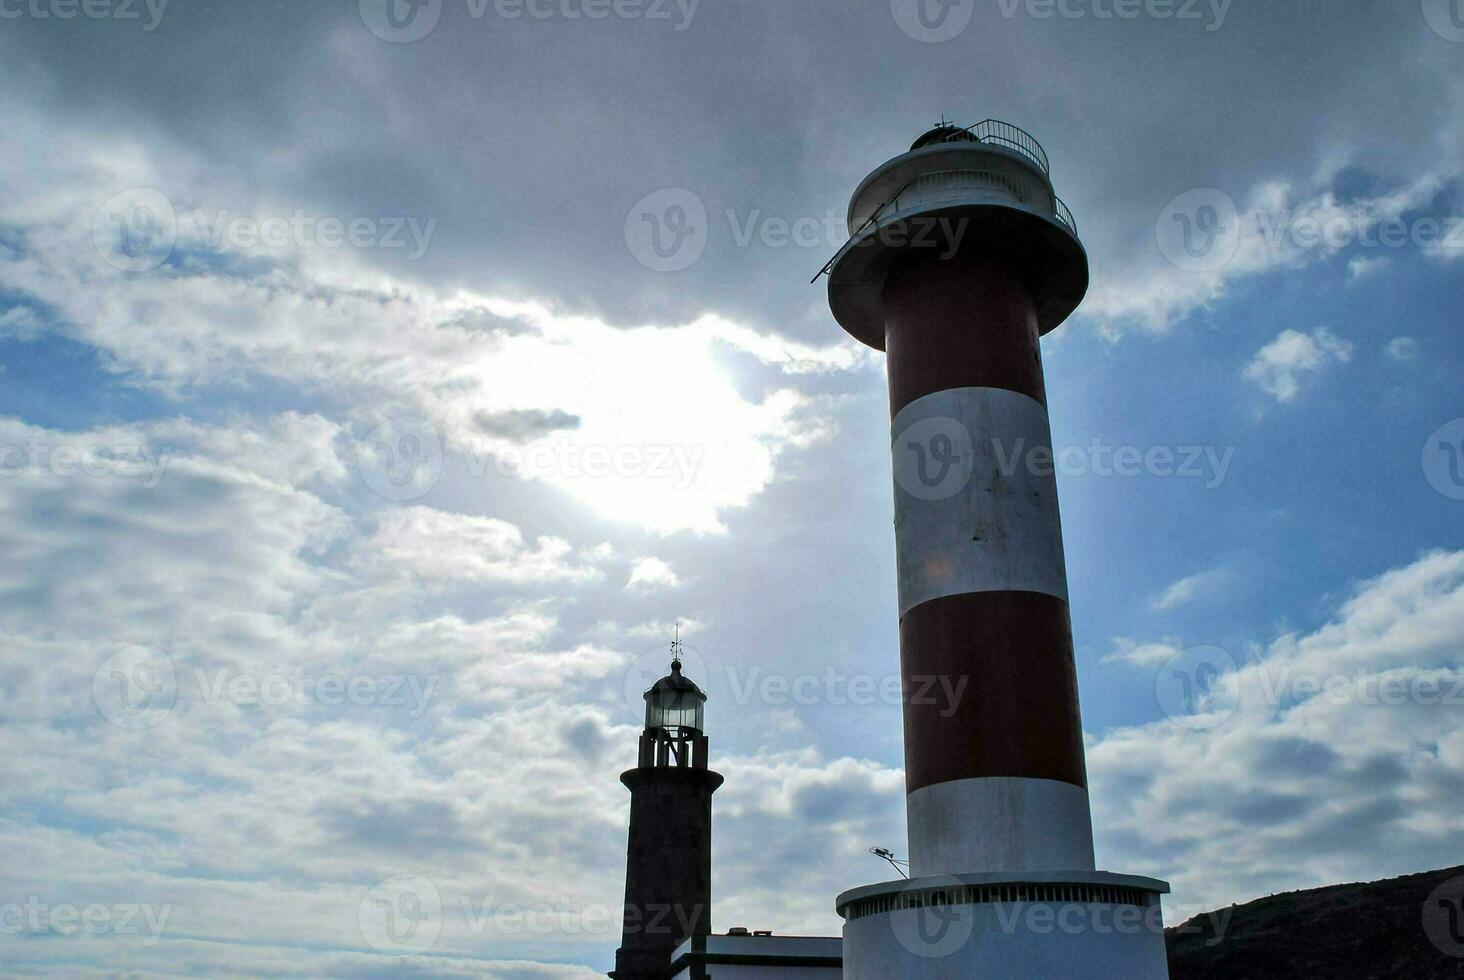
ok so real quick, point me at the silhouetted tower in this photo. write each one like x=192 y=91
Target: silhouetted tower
x=668 y=867
x=960 y=258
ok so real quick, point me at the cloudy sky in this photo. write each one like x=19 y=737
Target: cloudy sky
x=378 y=385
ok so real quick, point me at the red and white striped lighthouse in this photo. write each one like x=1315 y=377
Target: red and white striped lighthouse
x=961 y=258
x=995 y=779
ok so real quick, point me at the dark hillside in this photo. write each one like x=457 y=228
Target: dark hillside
x=1342 y=932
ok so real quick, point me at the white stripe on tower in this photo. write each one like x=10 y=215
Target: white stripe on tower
x=1020 y=824
x=996 y=483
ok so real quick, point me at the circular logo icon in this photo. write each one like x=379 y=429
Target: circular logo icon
x=1198 y=688
x=933 y=21
x=401 y=21
x=1443 y=917
x=401 y=459
x=401 y=914
x=1446 y=17
x=1199 y=231
x=653 y=665
x=931 y=929
x=934 y=458
x=136 y=230
x=667 y=231
x=135 y=688
x=1443 y=460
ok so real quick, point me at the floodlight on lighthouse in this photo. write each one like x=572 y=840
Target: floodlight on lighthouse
x=885 y=854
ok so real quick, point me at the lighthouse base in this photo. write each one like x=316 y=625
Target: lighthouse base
x=1058 y=925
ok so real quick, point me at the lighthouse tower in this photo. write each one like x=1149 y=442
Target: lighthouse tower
x=961 y=257
x=668 y=867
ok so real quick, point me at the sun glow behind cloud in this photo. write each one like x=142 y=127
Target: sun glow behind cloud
x=663 y=435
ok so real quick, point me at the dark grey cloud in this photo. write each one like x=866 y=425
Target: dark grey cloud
x=524 y=425
x=588 y=737
x=532 y=140
x=1293 y=757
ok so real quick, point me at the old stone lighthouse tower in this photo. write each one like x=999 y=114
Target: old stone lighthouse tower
x=668 y=873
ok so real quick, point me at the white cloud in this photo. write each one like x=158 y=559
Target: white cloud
x=1298 y=785
x=842 y=355
x=291 y=448
x=1402 y=349
x=1362 y=267
x=652 y=573
x=789 y=805
x=653 y=629
x=1190 y=588
x=66 y=956
x=1274 y=233
x=1142 y=654
x=171 y=521
x=1282 y=366
x=657 y=629
x=261 y=823
x=434 y=545
x=21 y=323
